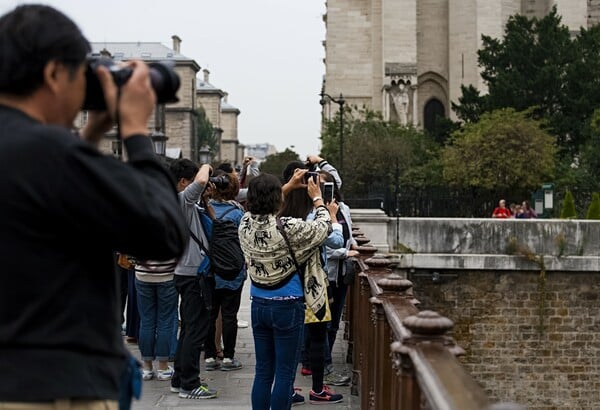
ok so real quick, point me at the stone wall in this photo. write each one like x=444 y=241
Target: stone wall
x=531 y=330
x=532 y=341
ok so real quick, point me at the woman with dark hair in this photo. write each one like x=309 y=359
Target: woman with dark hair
x=528 y=211
x=228 y=293
x=338 y=283
x=315 y=343
x=274 y=249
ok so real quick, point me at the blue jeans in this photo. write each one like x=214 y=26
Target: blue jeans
x=156 y=304
x=175 y=335
x=277 y=326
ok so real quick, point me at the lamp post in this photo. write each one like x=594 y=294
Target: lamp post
x=339 y=101
x=159 y=139
x=204 y=154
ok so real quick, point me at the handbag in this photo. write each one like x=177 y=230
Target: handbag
x=350 y=269
x=309 y=315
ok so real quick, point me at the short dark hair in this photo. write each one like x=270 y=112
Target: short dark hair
x=264 y=195
x=32 y=35
x=183 y=168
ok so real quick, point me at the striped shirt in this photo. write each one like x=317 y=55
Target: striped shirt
x=155 y=271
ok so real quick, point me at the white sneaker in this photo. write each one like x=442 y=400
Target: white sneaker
x=166 y=374
x=147 y=374
x=242 y=324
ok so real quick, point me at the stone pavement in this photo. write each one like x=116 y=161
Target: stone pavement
x=235 y=386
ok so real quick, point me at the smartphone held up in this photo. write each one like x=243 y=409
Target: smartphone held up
x=327 y=191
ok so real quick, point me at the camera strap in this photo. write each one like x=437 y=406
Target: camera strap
x=117 y=116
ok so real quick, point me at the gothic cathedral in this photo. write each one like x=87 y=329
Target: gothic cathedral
x=408 y=58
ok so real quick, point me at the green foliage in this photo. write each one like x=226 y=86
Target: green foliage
x=275 y=163
x=205 y=132
x=568 y=207
x=594 y=209
x=379 y=154
x=538 y=64
x=504 y=150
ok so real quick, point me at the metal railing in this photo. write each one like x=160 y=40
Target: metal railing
x=402 y=358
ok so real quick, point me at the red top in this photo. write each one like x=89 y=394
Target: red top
x=501 y=212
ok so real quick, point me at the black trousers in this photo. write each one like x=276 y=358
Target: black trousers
x=317 y=337
x=194 y=328
x=229 y=302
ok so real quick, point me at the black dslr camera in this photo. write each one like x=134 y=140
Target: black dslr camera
x=221 y=181
x=165 y=82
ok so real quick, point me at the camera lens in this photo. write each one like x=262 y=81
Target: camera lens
x=165 y=82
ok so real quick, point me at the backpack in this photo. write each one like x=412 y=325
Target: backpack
x=224 y=250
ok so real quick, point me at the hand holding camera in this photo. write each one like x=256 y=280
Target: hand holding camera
x=133 y=89
x=314 y=191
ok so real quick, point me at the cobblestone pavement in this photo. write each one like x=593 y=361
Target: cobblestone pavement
x=235 y=386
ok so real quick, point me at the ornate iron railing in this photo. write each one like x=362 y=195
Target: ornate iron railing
x=402 y=358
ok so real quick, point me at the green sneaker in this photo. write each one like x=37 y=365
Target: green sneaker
x=201 y=392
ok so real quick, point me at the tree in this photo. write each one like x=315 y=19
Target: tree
x=594 y=209
x=504 y=150
x=205 y=132
x=538 y=65
x=568 y=207
x=275 y=163
x=382 y=153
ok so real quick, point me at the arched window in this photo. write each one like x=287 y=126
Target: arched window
x=433 y=109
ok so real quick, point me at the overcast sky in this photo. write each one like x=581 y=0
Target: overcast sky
x=267 y=54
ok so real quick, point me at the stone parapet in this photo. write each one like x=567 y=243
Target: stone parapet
x=374 y=224
x=443 y=261
x=548 y=237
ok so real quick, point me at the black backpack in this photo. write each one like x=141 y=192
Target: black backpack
x=225 y=252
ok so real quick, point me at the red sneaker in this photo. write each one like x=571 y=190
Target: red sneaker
x=306 y=371
x=325 y=397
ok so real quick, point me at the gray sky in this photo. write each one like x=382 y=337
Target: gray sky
x=267 y=54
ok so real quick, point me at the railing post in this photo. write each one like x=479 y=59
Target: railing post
x=376 y=360
x=351 y=303
x=426 y=327
x=359 y=314
x=395 y=289
x=369 y=338
x=407 y=395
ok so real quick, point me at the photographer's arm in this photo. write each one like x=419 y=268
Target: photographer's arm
x=327 y=167
x=296 y=181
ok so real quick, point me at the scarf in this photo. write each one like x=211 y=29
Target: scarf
x=268 y=258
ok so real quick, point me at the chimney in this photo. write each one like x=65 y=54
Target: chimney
x=206 y=74
x=176 y=43
x=225 y=95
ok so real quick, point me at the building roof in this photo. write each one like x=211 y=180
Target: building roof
x=229 y=108
x=146 y=51
x=204 y=87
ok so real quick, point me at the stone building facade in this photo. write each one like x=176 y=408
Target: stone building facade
x=409 y=58
x=224 y=118
x=175 y=120
x=231 y=150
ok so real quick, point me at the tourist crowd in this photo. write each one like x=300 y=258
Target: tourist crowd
x=86 y=234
